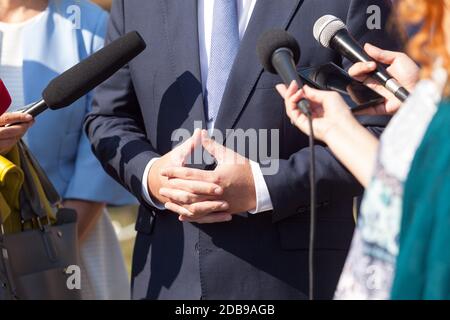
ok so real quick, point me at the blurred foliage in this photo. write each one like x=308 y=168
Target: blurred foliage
x=104 y=3
x=125 y=216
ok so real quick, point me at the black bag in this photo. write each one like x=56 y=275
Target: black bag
x=35 y=261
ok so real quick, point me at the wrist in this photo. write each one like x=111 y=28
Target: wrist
x=154 y=181
x=333 y=132
x=342 y=127
x=252 y=201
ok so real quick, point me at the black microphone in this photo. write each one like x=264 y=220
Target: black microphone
x=332 y=33
x=88 y=74
x=279 y=53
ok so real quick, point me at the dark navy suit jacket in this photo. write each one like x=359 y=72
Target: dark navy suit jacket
x=261 y=256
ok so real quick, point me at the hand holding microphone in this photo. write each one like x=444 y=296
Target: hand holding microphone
x=332 y=33
x=400 y=66
x=10 y=134
x=335 y=125
x=12 y=128
x=328 y=109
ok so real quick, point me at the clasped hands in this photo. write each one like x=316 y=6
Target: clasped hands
x=203 y=196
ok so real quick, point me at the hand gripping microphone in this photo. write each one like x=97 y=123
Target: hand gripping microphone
x=332 y=33
x=88 y=74
x=279 y=53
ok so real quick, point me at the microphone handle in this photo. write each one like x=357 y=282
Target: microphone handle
x=382 y=76
x=402 y=94
x=283 y=62
x=36 y=108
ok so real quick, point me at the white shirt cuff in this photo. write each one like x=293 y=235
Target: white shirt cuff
x=263 y=201
x=145 y=191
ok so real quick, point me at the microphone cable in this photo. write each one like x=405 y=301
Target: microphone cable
x=312 y=225
x=279 y=53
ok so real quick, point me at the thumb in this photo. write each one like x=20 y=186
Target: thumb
x=380 y=55
x=215 y=149
x=15 y=117
x=361 y=70
x=187 y=147
x=282 y=89
x=314 y=95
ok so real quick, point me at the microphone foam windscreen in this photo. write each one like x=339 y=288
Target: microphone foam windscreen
x=5 y=98
x=273 y=40
x=326 y=28
x=91 y=72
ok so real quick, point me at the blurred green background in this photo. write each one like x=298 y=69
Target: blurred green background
x=104 y=3
x=124 y=219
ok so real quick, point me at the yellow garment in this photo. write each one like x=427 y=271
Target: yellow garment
x=11 y=182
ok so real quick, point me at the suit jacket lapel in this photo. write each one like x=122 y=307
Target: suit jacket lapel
x=246 y=71
x=181 y=19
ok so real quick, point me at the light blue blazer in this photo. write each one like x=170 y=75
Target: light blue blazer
x=68 y=32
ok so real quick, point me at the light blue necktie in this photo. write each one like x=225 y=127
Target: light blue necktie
x=224 y=48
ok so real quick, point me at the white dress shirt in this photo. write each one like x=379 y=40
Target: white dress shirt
x=205 y=26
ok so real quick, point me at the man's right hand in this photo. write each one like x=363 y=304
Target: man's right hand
x=194 y=192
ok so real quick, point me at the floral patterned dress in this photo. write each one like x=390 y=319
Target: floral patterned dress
x=369 y=270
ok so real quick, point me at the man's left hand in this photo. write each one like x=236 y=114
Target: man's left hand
x=233 y=173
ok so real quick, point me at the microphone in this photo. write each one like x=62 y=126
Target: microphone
x=5 y=98
x=279 y=53
x=332 y=33
x=88 y=74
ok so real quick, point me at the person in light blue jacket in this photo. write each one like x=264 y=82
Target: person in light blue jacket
x=38 y=41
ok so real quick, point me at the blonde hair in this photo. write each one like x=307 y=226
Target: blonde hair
x=430 y=43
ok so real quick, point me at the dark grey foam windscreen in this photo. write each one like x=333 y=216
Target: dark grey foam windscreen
x=91 y=72
x=273 y=40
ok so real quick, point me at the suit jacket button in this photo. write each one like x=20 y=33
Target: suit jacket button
x=197 y=248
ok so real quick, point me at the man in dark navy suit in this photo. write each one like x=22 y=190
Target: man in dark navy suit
x=238 y=229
